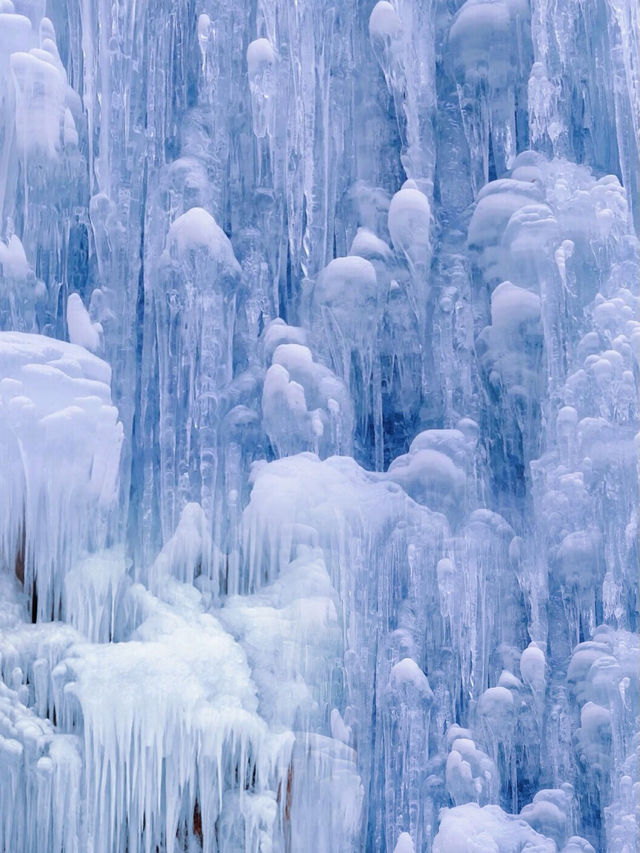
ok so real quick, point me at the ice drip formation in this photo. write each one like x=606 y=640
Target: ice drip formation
x=319 y=363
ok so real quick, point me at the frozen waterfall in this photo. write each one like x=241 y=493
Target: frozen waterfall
x=319 y=373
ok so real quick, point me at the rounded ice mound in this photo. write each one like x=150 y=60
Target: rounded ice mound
x=431 y=472
x=594 y=738
x=16 y=30
x=347 y=308
x=347 y=292
x=368 y=245
x=530 y=230
x=550 y=813
x=497 y=710
x=81 y=330
x=384 y=22
x=278 y=332
x=305 y=406
x=481 y=39
x=386 y=35
x=497 y=202
x=410 y=227
x=576 y=844
x=261 y=59
x=259 y=53
x=584 y=656
x=407 y=679
x=19 y=288
x=471 y=829
x=513 y=308
x=540 y=226
x=44 y=101
x=579 y=559
x=489 y=56
x=405 y=844
x=471 y=776
x=533 y=667
x=204 y=30
x=196 y=230
x=453 y=442
x=13 y=259
x=509 y=352
x=58 y=425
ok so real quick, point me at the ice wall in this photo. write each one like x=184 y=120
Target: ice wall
x=319 y=374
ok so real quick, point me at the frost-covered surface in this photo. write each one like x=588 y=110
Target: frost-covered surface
x=319 y=366
x=61 y=439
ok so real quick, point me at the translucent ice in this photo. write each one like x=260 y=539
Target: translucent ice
x=319 y=382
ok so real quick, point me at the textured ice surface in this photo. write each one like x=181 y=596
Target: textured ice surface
x=319 y=364
x=61 y=441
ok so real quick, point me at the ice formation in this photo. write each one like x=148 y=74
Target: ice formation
x=319 y=365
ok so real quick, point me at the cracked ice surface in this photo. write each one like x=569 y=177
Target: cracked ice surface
x=319 y=365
